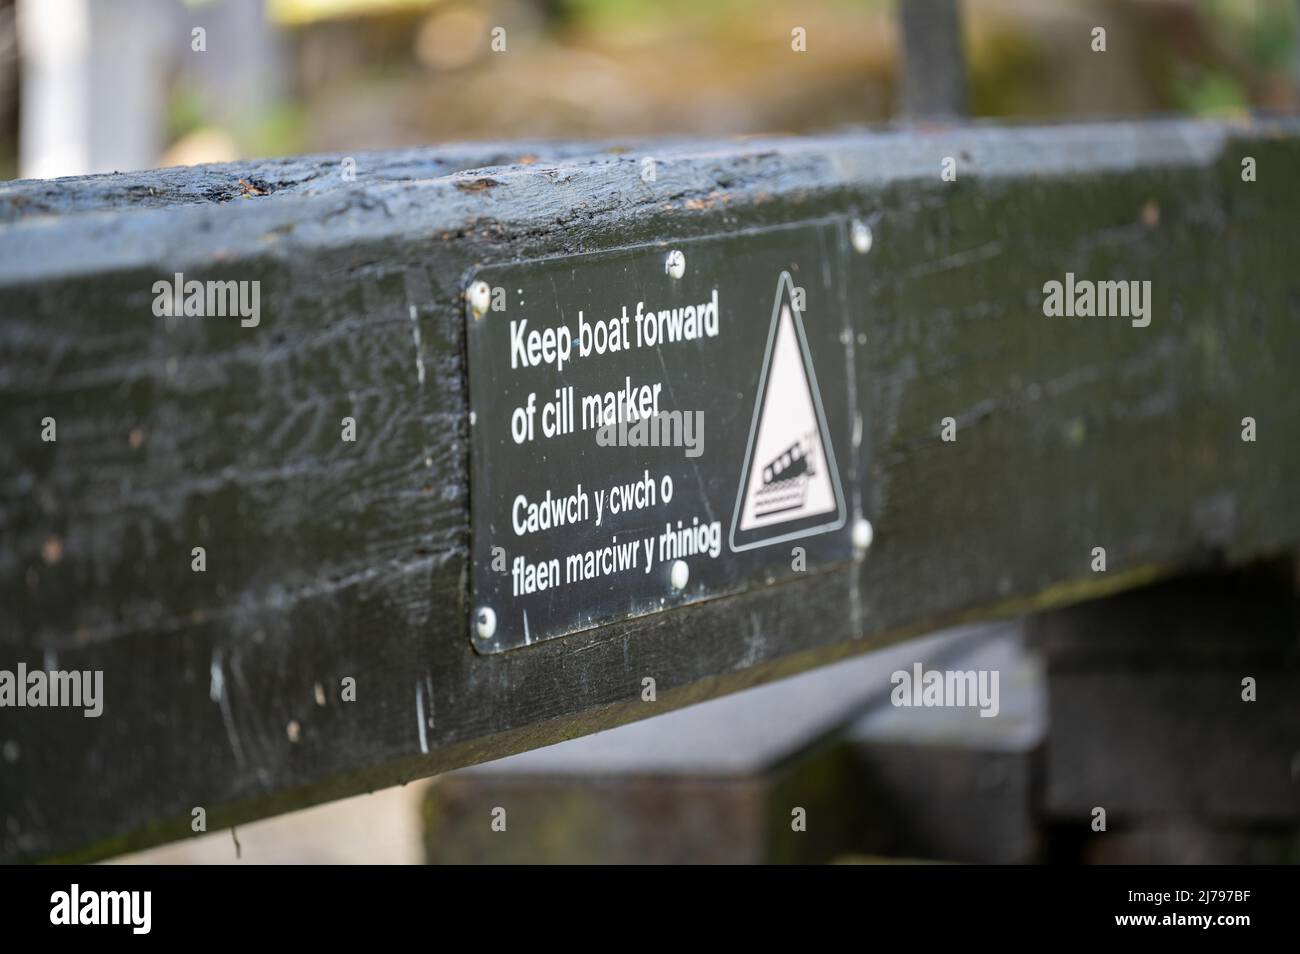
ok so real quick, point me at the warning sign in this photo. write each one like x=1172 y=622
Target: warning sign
x=789 y=475
x=653 y=426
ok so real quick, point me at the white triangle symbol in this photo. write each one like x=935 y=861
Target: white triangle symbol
x=789 y=473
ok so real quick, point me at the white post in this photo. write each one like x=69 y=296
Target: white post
x=92 y=90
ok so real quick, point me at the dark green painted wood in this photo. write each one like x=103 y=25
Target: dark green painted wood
x=329 y=560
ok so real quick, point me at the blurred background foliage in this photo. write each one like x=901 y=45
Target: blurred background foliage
x=288 y=76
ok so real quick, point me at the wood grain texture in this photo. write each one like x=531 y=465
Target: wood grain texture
x=328 y=560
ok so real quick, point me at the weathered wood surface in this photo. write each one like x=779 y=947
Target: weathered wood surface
x=328 y=560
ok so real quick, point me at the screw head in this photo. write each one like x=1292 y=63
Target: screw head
x=485 y=622
x=863 y=534
x=479 y=296
x=860 y=236
x=680 y=575
x=675 y=264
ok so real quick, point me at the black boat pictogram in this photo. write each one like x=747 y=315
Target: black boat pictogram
x=785 y=480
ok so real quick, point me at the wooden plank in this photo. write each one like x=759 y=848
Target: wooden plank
x=719 y=782
x=950 y=784
x=328 y=560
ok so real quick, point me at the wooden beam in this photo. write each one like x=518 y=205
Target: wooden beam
x=329 y=561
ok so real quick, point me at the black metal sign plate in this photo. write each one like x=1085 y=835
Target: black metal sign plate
x=656 y=425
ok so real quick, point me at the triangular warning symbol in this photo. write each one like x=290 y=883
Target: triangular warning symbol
x=789 y=484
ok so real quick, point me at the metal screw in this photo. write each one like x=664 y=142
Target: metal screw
x=479 y=296
x=863 y=534
x=681 y=574
x=675 y=264
x=485 y=622
x=860 y=236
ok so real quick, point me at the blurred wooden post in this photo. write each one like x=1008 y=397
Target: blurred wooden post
x=1295 y=55
x=92 y=85
x=934 y=68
